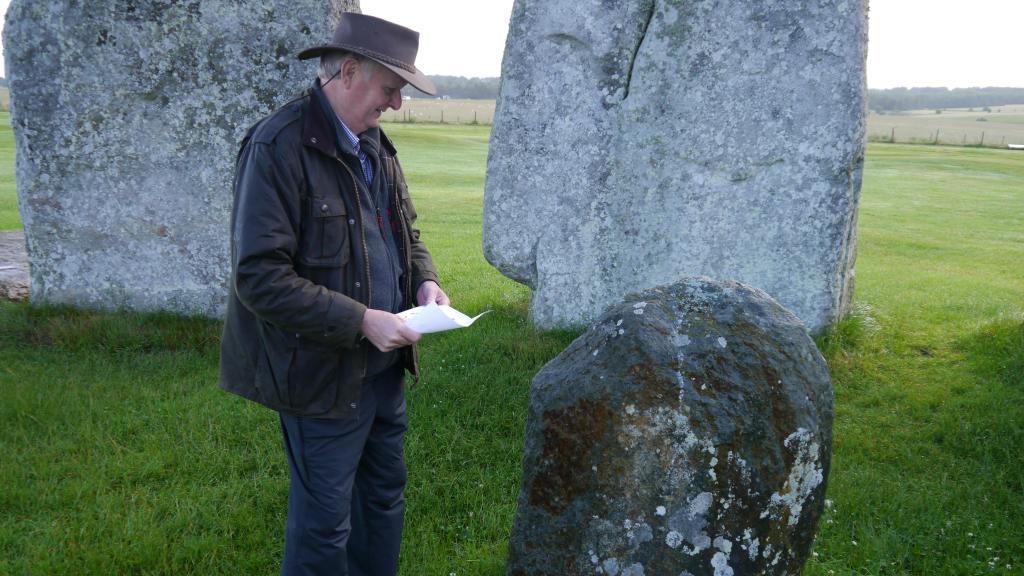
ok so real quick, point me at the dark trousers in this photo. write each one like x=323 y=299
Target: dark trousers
x=346 y=502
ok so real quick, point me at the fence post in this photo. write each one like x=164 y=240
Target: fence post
x=892 y=136
x=474 y=116
x=442 y=115
x=936 y=135
x=982 y=142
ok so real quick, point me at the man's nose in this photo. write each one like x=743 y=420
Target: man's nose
x=396 y=100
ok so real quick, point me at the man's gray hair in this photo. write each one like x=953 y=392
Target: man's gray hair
x=330 y=64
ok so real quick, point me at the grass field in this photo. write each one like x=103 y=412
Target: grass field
x=958 y=126
x=447 y=111
x=121 y=456
x=9 y=216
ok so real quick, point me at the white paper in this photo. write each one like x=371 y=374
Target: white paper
x=434 y=318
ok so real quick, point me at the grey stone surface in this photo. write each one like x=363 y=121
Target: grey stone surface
x=639 y=141
x=689 y=431
x=127 y=116
x=14 y=278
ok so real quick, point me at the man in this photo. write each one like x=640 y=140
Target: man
x=324 y=253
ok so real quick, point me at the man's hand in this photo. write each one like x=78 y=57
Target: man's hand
x=429 y=292
x=387 y=331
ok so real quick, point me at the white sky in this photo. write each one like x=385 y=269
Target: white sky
x=949 y=43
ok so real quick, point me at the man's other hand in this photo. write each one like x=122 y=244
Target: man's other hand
x=387 y=331
x=429 y=292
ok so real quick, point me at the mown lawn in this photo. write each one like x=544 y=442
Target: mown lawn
x=121 y=456
x=9 y=217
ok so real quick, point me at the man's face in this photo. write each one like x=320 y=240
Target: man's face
x=367 y=96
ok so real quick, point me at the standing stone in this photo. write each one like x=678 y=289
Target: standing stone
x=636 y=142
x=688 y=432
x=127 y=116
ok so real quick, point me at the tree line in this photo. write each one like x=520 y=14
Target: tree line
x=889 y=100
x=898 y=99
x=459 y=87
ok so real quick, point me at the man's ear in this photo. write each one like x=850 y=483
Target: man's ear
x=349 y=69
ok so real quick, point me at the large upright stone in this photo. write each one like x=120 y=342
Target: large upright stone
x=127 y=116
x=688 y=432
x=637 y=141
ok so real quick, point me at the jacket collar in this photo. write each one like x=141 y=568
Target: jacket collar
x=387 y=144
x=317 y=131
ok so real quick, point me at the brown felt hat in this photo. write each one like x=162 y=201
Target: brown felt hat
x=389 y=44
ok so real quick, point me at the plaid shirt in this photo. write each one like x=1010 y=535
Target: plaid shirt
x=363 y=160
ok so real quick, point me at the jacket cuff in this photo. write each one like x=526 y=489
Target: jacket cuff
x=343 y=321
x=419 y=279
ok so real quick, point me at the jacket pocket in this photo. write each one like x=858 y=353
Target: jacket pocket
x=314 y=379
x=273 y=366
x=295 y=374
x=324 y=242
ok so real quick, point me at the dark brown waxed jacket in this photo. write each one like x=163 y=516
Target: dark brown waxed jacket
x=300 y=280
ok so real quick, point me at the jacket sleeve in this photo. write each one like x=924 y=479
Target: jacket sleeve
x=265 y=227
x=422 y=264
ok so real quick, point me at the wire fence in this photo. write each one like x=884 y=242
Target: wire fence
x=996 y=128
x=982 y=138
x=443 y=112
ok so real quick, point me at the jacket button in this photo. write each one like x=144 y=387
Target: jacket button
x=358 y=284
x=352 y=405
x=351 y=221
x=313 y=140
x=323 y=208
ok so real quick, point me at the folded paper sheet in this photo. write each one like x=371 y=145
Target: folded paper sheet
x=434 y=318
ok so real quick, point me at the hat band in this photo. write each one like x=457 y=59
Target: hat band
x=376 y=56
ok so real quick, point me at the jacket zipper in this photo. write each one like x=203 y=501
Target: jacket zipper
x=362 y=233
x=406 y=244
x=366 y=252
x=407 y=250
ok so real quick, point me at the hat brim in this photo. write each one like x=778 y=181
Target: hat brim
x=416 y=78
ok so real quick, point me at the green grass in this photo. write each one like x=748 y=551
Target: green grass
x=928 y=474
x=121 y=456
x=10 y=219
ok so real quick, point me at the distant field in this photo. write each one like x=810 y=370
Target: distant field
x=448 y=111
x=1003 y=125
x=958 y=126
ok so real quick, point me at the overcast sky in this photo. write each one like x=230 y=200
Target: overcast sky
x=950 y=43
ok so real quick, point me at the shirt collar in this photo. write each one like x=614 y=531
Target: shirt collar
x=352 y=138
x=346 y=140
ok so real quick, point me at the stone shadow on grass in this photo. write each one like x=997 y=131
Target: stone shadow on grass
x=996 y=352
